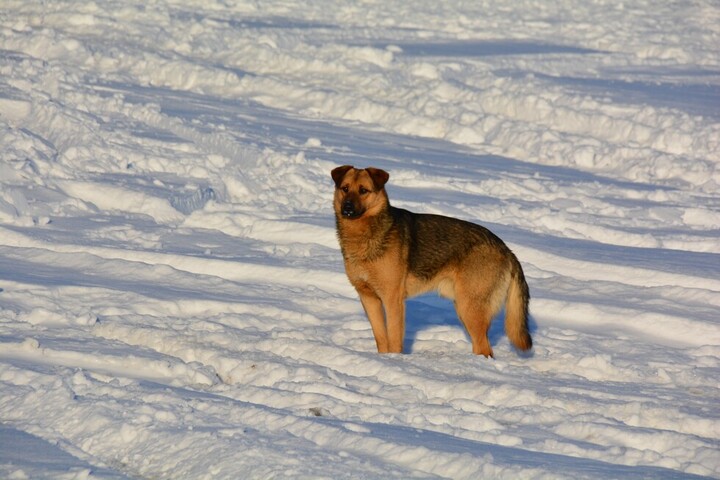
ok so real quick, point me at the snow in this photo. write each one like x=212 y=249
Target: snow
x=172 y=297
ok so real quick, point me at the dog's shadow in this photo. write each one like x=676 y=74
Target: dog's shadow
x=427 y=311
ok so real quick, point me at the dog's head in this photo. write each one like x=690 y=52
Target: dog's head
x=359 y=191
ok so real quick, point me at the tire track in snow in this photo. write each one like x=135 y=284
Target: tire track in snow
x=334 y=282
x=587 y=270
x=166 y=370
x=170 y=421
x=329 y=281
x=400 y=448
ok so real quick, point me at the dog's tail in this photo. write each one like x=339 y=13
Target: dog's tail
x=516 y=307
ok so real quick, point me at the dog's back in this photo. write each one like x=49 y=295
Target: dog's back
x=436 y=241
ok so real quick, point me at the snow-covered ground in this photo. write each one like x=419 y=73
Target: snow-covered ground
x=172 y=298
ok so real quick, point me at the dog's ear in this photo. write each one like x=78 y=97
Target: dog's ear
x=379 y=177
x=338 y=174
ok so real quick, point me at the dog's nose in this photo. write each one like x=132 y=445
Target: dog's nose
x=348 y=208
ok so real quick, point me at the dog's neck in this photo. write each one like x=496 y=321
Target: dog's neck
x=365 y=238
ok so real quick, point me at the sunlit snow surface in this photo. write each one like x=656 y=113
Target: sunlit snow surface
x=172 y=297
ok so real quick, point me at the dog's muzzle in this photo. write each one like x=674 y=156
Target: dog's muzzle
x=348 y=209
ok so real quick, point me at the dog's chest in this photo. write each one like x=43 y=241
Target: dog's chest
x=357 y=273
x=386 y=269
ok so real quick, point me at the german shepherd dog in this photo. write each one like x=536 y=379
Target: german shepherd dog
x=391 y=254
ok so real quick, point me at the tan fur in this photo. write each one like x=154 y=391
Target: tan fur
x=391 y=254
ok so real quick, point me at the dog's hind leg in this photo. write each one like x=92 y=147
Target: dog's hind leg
x=478 y=298
x=374 y=311
x=475 y=305
x=476 y=318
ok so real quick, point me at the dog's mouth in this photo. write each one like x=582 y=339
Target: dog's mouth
x=351 y=214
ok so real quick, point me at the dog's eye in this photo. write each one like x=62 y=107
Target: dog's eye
x=345 y=188
x=364 y=190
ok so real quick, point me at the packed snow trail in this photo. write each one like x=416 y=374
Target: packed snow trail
x=172 y=296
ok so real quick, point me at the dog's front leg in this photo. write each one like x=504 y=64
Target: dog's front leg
x=374 y=311
x=395 y=312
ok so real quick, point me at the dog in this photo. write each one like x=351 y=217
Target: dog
x=391 y=254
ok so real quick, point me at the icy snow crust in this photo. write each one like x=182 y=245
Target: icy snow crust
x=172 y=298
